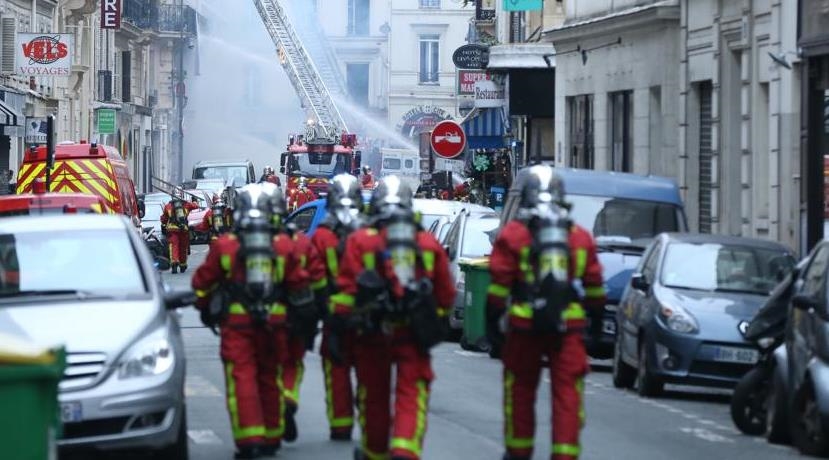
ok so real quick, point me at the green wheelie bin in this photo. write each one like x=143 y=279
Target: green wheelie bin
x=29 y=419
x=476 y=273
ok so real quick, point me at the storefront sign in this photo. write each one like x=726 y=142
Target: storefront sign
x=489 y=94
x=485 y=10
x=523 y=5
x=110 y=14
x=456 y=166
x=471 y=57
x=106 y=121
x=44 y=55
x=467 y=79
x=448 y=139
x=36 y=130
x=421 y=119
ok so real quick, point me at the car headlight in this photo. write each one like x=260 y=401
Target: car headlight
x=678 y=319
x=152 y=355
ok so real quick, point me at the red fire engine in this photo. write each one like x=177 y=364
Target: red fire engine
x=318 y=159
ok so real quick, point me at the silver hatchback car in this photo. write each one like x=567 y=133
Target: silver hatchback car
x=88 y=283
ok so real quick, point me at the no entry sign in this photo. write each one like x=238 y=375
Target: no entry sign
x=448 y=139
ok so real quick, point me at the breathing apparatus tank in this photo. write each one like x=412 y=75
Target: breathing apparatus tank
x=256 y=238
x=179 y=211
x=217 y=220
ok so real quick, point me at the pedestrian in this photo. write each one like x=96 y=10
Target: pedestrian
x=548 y=266
x=343 y=203
x=302 y=329
x=176 y=228
x=240 y=287
x=395 y=286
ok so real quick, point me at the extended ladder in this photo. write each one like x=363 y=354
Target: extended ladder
x=302 y=72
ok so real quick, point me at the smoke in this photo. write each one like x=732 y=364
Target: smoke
x=241 y=104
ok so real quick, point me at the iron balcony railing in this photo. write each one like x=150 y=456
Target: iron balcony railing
x=149 y=15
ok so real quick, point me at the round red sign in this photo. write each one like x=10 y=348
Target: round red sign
x=448 y=139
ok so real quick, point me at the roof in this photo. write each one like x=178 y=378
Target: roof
x=700 y=238
x=618 y=185
x=62 y=223
x=65 y=151
x=444 y=207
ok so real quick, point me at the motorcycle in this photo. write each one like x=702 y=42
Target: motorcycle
x=157 y=245
x=753 y=404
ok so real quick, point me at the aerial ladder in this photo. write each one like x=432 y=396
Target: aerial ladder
x=313 y=87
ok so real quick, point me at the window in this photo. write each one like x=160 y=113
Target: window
x=621 y=130
x=358 y=17
x=409 y=164
x=652 y=261
x=126 y=76
x=430 y=3
x=357 y=78
x=303 y=219
x=813 y=278
x=620 y=219
x=391 y=163
x=429 y=58
x=581 y=131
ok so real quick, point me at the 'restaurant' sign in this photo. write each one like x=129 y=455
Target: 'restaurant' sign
x=44 y=54
x=110 y=14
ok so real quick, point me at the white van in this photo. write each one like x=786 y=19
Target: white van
x=402 y=163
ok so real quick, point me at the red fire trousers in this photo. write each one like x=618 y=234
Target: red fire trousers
x=374 y=356
x=522 y=357
x=339 y=393
x=179 y=243
x=293 y=369
x=251 y=357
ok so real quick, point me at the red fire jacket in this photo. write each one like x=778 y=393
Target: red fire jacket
x=168 y=216
x=311 y=261
x=222 y=266
x=510 y=265
x=326 y=242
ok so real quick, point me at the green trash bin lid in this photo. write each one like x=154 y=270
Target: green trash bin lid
x=479 y=264
x=15 y=350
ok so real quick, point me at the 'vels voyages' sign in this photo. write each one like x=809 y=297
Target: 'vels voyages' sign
x=44 y=54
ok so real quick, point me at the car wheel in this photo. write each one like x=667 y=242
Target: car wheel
x=747 y=403
x=777 y=420
x=464 y=343
x=809 y=433
x=180 y=449
x=647 y=384
x=624 y=375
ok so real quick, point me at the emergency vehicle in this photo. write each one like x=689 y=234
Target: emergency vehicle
x=317 y=159
x=42 y=203
x=89 y=169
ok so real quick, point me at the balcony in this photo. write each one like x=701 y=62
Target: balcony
x=166 y=19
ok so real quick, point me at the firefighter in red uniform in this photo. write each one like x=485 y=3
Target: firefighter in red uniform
x=300 y=195
x=368 y=179
x=243 y=286
x=344 y=202
x=302 y=328
x=177 y=230
x=395 y=284
x=548 y=269
x=268 y=175
x=215 y=219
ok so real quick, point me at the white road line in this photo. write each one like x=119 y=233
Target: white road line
x=195 y=385
x=706 y=435
x=471 y=354
x=203 y=437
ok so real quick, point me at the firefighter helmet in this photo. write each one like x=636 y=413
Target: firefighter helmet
x=343 y=192
x=252 y=201
x=366 y=169
x=277 y=203
x=541 y=186
x=391 y=194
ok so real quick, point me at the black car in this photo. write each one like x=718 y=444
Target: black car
x=678 y=319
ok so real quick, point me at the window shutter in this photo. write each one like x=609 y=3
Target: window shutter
x=8 y=35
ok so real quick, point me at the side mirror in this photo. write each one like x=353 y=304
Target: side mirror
x=142 y=209
x=178 y=299
x=640 y=282
x=805 y=302
x=282 y=159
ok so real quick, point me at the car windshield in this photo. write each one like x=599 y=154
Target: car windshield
x=623 y=220
x=391 y=163
x=238 y=174
x=476 y=240
x=96 y=261
x=153 y=212
x=317 y=164
x=718 y=267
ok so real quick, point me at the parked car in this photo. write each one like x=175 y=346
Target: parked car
x=123 y=387
x=624 y=212
x=239 y=172
x=679 y=316
x=467 y=238
x=152 y=215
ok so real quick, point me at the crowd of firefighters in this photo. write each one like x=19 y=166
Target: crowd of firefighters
x=381 y=287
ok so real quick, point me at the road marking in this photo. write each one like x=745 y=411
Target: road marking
x=472 y=354
x=203 y=437
x=200 y=387
x=706 y=435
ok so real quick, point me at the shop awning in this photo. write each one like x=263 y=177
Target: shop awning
x=485 y=128
x=9 y=116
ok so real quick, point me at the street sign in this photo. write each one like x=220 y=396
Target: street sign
x=448 y=139
x=523 y=5
x=106 y=121
x=471 y=57
x=111 y=14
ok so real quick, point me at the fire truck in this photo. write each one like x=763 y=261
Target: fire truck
x=317 y=159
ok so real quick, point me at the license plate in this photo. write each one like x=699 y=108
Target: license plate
x=71 y=412
x=736 y=355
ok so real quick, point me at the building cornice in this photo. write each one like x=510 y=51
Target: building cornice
x=613 y=23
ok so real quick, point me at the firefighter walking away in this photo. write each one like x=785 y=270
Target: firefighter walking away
x=546 y=267
x=243 y=287
x=343 y=204
x=395 y=290
x=176 y=228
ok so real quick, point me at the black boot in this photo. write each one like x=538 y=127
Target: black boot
x=270 y=450
x=507 y=456
x=290 y=424
x=174 y=269
x=182 y=268
x=340 y=435
x=247 y=452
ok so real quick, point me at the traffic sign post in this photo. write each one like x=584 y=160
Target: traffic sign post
x=448 y=139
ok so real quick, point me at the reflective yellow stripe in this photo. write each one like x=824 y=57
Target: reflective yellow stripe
x=594 y=292
x=319 y=284
x=581 y=262
x=233 y=407
x=573 y=312
x=226 y=262
x=292 y=392
x=280 y=268
x=442 y=312
x=333 y=262
x=415 y=444
x=274 y=433
x=498 y=290
x=572 y=450
x=343 y=299
x=429 y=261
x=333 y=421
x=511 y=441
x=580 y=390
x=239 y=309
x=521 y=310
x=369 y=262
x=525 y=266
x=201 y=294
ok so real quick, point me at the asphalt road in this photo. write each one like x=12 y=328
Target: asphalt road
x=465 y=420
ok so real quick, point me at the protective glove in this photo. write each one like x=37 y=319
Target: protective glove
x=336 y=329
x=208 y=320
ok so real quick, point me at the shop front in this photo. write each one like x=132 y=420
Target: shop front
x=489 y=153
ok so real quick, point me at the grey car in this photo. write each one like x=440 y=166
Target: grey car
x=88 y=283
x=679 y=316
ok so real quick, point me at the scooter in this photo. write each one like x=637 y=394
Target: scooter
x=750 y=403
